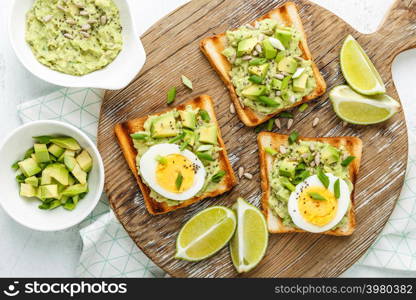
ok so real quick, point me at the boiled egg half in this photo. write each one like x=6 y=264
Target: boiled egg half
x=162 y=165
x=315 y=208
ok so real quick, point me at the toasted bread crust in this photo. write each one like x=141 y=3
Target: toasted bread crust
x=268 y=139
x=123 y=131
x=213 y=46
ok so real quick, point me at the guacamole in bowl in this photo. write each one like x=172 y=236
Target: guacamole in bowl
x=75 y=37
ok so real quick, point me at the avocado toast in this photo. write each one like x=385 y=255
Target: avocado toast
x=206 y=121
x=332 y=151
x=266 y=65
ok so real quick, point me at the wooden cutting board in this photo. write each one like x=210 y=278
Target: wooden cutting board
x=172 y=49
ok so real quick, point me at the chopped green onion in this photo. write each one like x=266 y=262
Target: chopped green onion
x=139 y=136
x=257 y=61
x=20 y=178
x=316 y=196
x=259 y=128
x=268 y=101
x=161 y=159
x=179 y=181
x=217 y=177
x=15 y=166
x=337 y=189
x=346 y=162
x=204 y=156
x=171 y=95
x=177 y=138
x=285 y=83
x=44 y=139
x=187 y=82
x=323 y=178
x=301 y=177
x=69 y=204
x=29 y=153
x=303 y=107
x=184 y=145
x=269 y=125
x=204 y=115
x=293 y=137
x=271 y=151
x=255 y=79
x=286 y=115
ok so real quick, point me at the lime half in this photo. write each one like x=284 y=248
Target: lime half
x=205 y=233
x=358 y=69
x=362 y=110
x=249 y=243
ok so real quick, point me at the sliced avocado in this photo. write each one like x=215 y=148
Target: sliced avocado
x=260 y=70
x=58 y=172
x=41 y=153
x=188 y=119
x=29 y=167
x=329 y=154
x=164 y=126
x=229 y=52
x=284 y=36
x=45 y=179
x=67 y=143
x=33 y=180
x=66 y=153
x=55 y=150
x=85 y=161
x=269 y=51
x=246 y=46
x=63 y=199
x=79 y=174
x=276 y=84
x=287 y=168
x=287 y=184
x=71 y=179
x=208 y=134
x=49 y=191
x=70 y=162
x=280 y=56
x=299 y=84
x=253 y=91
x=27 y=190
x=75 y=189
x=288 y=64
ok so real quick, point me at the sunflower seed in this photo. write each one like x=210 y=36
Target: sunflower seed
x=305 y=155
x=255 y=53
x=248 y=175
x=68 y=36
x=83 y=12
x=278 y=124
x=278 y=93
x=259 y=49
x=282 y=149
x=85 y=34
x=246 y=57
x=47 y=18
x=292 y=98
x=312 y=147
x=71 y=21
x=92 y=21
x=103 y=20
x=240 y=172
x=279 y=76
x=315 y=122
x=86 y=27
x=261 y=37
x=232 y=108
x=312 y=164
x=317 y=159
x=289 y=123
x=60 y=7
x=79 y=5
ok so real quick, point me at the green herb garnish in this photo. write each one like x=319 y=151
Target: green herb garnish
x=184 y=145
x=269 y=125
x=255 y=79
x=337 y=189
x=271 y=151
x=15 y=166
x=177 y=138
x=204 y=115
x=293 y=137
x=323 y=178
x=286 y=115
x=303 y=107
x=187 y=82
x=161 y=159
x=29 y=153
x=347 y=161
x=179 y=181
x=139 y=136
x=171 y=95
x=217 y=177
x=257 y=61
x=204 y=156
x=316 y=196
x=301 y=177
x=268 y=101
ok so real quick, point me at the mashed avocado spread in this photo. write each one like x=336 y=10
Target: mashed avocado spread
x=192 y=130
x=296 y=163
x=268 y=72
x=75 y=37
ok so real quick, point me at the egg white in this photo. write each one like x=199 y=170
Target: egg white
x=148 y=166
x=343 y=203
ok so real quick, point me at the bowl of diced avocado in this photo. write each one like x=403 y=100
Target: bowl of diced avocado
x=52 y=175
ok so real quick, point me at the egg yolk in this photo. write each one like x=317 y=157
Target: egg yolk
x=167 y=173
x=318 y=212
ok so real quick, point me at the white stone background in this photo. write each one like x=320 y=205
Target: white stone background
x=35 y=254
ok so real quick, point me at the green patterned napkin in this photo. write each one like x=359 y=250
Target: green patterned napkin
x=109 y=252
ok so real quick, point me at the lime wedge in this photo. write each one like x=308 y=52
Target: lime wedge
x=362 y=110
x=358 y=69
x=249 y=243
x=205 y=233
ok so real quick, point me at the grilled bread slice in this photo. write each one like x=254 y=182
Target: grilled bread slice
x=123 y=132
x=269 y=139
x=212 y=47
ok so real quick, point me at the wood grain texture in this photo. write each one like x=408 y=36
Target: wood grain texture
x=172 y=49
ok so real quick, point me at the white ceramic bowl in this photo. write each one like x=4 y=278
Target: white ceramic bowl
x=116 y=75
x=25 y=210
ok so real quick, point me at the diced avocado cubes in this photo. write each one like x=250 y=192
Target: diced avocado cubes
x=45 y=178
x=164 y=126
x=330 y=154
x=270 y=52
x=208 y=134
x=29 y=167
x=48 y=191
x=70 y=162
x=287 y=168
x=299 y=84
x=75 y=189
x=260 y=70
x=33 y=180
x=276 y=84
x=284 y=36
x=58 y=172
x=27 y=190
x=288 y=65
x=246 y=46
x=79 y=174
x=55 y=150
x=253 y=91
x=84 y=160
x=67 y=143
x=188 y=119
x=41 y=153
